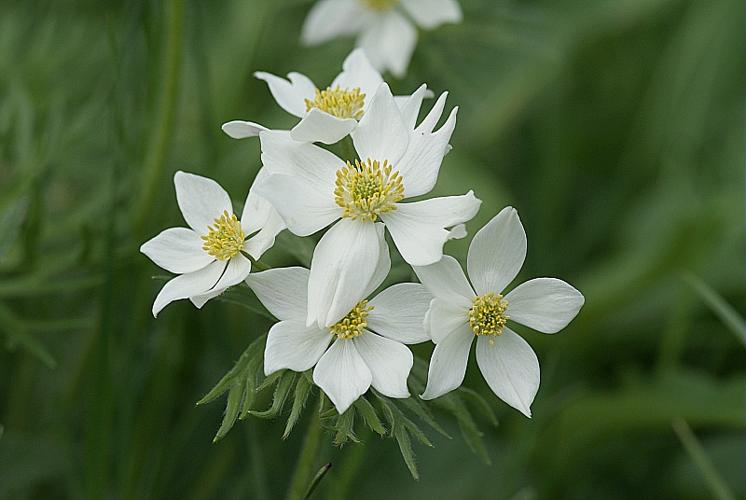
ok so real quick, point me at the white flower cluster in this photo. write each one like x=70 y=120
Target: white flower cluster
x=330 y=318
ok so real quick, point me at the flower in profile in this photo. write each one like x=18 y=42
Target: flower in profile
x=326 y=115
x=462 y=311
x=383 y=27
x=311 y=188
x=209 y=255
x=367 y=344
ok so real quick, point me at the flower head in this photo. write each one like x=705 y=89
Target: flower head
x=367 y=344
x=208 y=256
x=464 y=310
x=312 y=188
x=383 y=27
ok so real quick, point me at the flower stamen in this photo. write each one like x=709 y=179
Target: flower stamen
x=368 y=189
x=380 y=5
x=487 y=314
x=225 y=238
x=339 y=102
x=354 y=323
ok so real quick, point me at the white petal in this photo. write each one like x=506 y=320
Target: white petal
x=388 y=42
x=332 y=18
x=419 y=228
x=304 y=210
x=262 y=241
x=342 y=266
x=260 y=220
x=201 y=200
x=389 y=363
x=432 y=13
x=381 y=134
x=290 y=95
x=239 y=129
x=320 y=126
x=283 y=291
x=178 y=250
x=544 y=304
x=235 y=272
x=497 y=252
x=510 y=368
x=446 y=280
x=315 y=166
x=384 y=262
x=295 y=346
x=448 y=363
x=399 y=311
x=342 y=374
x=200 y=300
x=189 y=285
x=410 y=106
x=420 y=165
x=358 y=72
x=444 y=317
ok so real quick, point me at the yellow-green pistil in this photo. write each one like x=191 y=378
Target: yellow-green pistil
x=225 y=238
x=368 y=189
x=338 y=102
x=487 y=314
x=380 y=4
x=354 y=323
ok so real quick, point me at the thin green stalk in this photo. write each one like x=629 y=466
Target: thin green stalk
x=306 y=460
x=163 y=131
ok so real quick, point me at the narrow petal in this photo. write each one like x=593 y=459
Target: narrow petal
x=290 y=95
x=235 y=272
x=283 y=291
x=315 y=166
x=510 y=368
x=262 y=241
x=189 y=285
x=497 y=252
x=432 y=13
x=342 y=374
x=381 y=134
x=388 y=42
x=320 y=126
x=358 y=72
x=420 y=165
x=178 y=250
x=446 y=281
x=295 y=346
x=239 y=129
x=419 y=228
x=201 y=200
x=200 y=300
x=303 y=210
x=389 y=363
x=342 y=266
x=399 y=311
x=329 y=19
x=410 y=106
x=544 y=304
x=444 y=317
x=448 y=363
x=384 y=262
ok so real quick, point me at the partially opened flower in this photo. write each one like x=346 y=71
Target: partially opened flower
x=462 y=311
x=367 y=344
x=325 y=115
x=312 y=188
x=209 y=255
x=383 y=26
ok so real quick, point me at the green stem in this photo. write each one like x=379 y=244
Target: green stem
x=306 y=460
x=161 y=137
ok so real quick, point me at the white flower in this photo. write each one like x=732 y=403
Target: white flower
x=358 y=357
x=312 y=188
x=208 y=257
x=459 y=313
x=326 y=115
x=383 y=29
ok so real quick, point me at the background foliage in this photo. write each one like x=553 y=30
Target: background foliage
x=615 y=127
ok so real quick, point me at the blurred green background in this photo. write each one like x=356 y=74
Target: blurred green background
x=616 y=127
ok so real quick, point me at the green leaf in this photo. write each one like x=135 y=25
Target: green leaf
x=236 y=373
x=345 y=428
x=417 y=406
x=282 y=389
x=302 y=390
x=469 y=430
x=231 y=412
x=369 y=415
x=480 y=403
x=405 y=447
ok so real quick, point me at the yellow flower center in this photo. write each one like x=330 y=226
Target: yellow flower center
x=487 y=314
x=367 y=189
x=225 y=238
x=338 y=102
x=354 y=323
x=380 y=4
